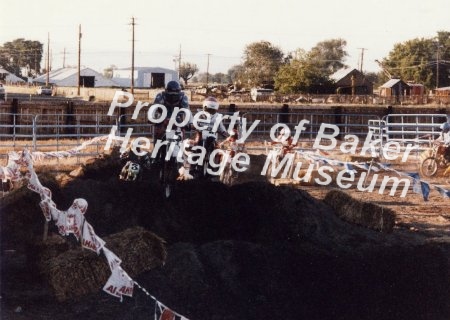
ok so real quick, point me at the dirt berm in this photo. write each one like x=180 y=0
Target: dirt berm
x=250 y=251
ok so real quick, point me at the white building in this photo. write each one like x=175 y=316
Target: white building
x=144 y=77
x=8 y=77
x=68 y=77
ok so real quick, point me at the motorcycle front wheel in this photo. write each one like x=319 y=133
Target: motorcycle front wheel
x=429 y=167
x=168 y=175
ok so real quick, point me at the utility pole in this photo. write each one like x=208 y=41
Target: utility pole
x=79 y=58
x=207 y=72
x=362 y=59
x=47 y=79
x=437 y=66
x=179 y=63
x=64 y=58
x=175 y=59
x=132 y=55
x=35 y=63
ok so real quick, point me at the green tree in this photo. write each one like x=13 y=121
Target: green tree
x=187 y=71
x=374 y=78
x=220 y=78
x=308 y=71
x=420 y=60
x=21 y=53
x=296 y=76
x=201 y=77
x=262 y=61
x=236 y=75
x=329 y=55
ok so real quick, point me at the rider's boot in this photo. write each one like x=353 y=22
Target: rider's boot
x=184 y=174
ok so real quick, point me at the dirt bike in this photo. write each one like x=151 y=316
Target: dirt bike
x=208 y=143
x=430 y=165
x=228 y=175
x=168 y=164
x=277 y=152
x=133 y=169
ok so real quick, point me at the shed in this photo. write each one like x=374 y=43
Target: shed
x=68 y=77
x=443 y=91
x=394 y=88
x=351 y=81
x=145 y=77
x=416 y=89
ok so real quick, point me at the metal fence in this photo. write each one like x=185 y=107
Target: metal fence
x=55 y=132
x=355 y=124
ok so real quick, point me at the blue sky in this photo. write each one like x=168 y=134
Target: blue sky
x=219 y=28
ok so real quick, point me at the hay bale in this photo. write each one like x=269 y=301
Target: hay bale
x=41 y=252
x=361 y=213
x=78 y=272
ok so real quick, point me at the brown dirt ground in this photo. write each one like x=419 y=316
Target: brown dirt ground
x=249 y=258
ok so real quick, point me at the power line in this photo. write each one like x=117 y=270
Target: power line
x=132 y=54
x=47 y=79
x=362 y=59
x=207 y=71
x=79 y=58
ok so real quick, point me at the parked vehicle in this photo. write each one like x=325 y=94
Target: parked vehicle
x=44 y=90
x=260 y=94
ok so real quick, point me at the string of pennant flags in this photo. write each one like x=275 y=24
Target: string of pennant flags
x=72 y=221
x=419 y=186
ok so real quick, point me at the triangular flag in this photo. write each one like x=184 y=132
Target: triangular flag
x=444 y=192
x=119 y=284
x=167 y=314
x=425 y=190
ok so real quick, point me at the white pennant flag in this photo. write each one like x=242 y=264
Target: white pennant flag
x=119 y=284
x=113 y=260
x=90 y=240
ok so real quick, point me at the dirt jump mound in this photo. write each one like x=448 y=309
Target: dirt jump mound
x=211 y=251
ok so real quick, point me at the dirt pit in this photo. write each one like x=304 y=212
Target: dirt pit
x=249 y=251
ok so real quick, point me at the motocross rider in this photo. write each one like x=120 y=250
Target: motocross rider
x=210 y=105
x=445 y=139
x=171 y=97
x=286 y=143
x=130 y=157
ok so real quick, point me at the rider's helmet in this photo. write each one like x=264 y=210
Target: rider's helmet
x=173 y=92
x=210 y=105
x=445 y=127
x=285 y=132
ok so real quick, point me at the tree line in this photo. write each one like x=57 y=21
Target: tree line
x=420 y=60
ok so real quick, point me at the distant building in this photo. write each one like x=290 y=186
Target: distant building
x=350 y=81
x=144 y=77
x=395 y=88
x=8 y=77
x=443 y=91
x=68 y=77
x=416 y=89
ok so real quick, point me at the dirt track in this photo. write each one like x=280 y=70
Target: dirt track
x=250 y=251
